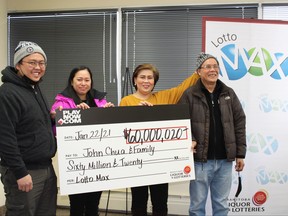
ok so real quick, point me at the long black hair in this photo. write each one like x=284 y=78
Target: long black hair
x=75 y=70
x=70 y=91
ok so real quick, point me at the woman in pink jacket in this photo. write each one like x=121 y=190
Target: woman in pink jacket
x=80 y=93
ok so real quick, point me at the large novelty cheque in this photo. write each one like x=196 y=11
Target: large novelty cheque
x=118 y=147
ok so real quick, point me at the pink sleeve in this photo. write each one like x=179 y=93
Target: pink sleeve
x=56 y=104
x=100 y=103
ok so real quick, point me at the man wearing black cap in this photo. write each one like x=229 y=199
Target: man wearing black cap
x=218 y=127
x=27 y=144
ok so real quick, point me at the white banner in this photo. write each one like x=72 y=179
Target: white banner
x=253 y=57
x=102 y=149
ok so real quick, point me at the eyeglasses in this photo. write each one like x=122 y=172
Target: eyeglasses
x=209 y=67
x=33 y=64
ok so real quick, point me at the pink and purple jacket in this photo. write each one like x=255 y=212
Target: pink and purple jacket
x=68 y=103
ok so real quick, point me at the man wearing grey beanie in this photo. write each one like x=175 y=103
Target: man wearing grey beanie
x=27 y=143
x=218 y=126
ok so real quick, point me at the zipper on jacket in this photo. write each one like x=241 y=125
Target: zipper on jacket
x=214 y=123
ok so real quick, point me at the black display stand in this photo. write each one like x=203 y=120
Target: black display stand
x=125 y=92
x=106 y=211
x=126 y=83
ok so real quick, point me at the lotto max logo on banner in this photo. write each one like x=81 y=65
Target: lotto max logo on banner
x=259 y=143
x=268 y=104
x=236 y=62
x=265 y=176
x=70 y=117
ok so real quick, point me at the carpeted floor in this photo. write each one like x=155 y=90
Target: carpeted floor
x=64 y=211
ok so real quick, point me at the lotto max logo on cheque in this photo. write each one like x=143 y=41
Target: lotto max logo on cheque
x=70 y=117
x=236 y=62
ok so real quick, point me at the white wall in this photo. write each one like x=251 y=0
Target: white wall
x=35 y=5
x=3 y=35
x=3 y=59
